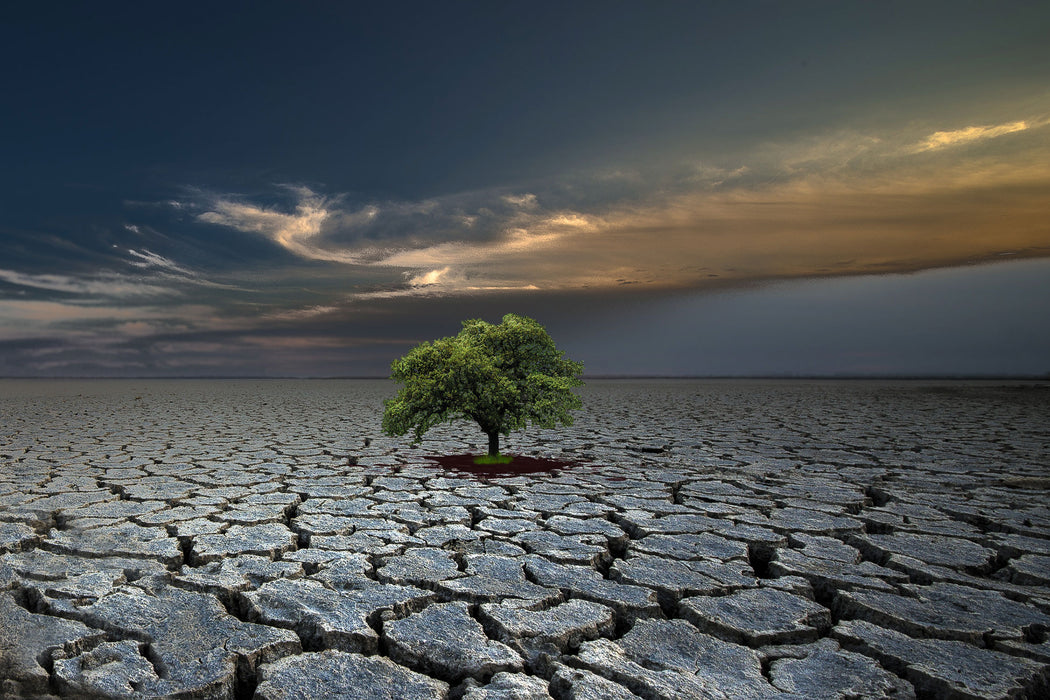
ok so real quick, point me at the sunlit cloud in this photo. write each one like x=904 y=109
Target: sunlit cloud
x=297 y=232
x=299 y=314
x=429 y=278
x=842 y=203
x=945 y=139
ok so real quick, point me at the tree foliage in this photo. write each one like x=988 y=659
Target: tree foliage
x=501 y=376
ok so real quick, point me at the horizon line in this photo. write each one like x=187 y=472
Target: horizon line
x=782 y=376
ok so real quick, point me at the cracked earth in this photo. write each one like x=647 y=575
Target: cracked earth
x=737 y=539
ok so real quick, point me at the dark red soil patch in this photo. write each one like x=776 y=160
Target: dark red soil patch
x=464 y=464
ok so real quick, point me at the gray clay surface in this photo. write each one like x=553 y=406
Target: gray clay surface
x=713 y=539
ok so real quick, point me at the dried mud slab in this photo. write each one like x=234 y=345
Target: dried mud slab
x=685 y=539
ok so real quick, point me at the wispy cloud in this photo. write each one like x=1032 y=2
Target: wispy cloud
x=146 y=259
x=299 y=231
x=845 y=203
x=109 y=285
x=956 y=137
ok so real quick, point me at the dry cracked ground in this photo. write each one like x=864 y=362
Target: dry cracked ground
x=735 y=539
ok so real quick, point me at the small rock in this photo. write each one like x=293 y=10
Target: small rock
x=26 y=638
x=1029 y=570
x=190 y=635
x=112 y=669
x=493 y=577
x=671 y=578
x=338 y=675
x=588 y=550
x=552 y=631
x=758 y=616
x=944 y=611
x=579 y=684
x=445 y=641
x=829 y=672
x=670 y=659
x=630 y=602
x=15 y=536
x=693 y=547
x=325 y=618
x=270 y=540
x=510 y=686
x=940 y=668
x=125 y=540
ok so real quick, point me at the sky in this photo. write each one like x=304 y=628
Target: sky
x=674 y=188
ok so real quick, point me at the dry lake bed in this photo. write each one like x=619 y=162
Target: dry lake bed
x=737 y=539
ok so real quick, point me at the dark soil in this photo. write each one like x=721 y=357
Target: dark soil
x=464 y=464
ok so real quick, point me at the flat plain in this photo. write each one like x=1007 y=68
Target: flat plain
x=722 y=538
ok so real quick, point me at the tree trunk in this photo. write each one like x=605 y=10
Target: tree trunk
x=494 y=443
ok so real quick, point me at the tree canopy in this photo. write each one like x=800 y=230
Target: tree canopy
x=502 y=376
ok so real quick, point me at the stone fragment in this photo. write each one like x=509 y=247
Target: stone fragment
x=359 y=542
x=445 y=641
x=229 y=576
x=62 y=501
x=443 y=535
x=338 y=675
x=689 y=546
x=642 y=523
x=348 y=571
x=196 y=526
x=821 y=547
x=1035 y=650
x=753 y=535
x=579 y=684
x=124 y=540
x=1029 y=570
x=27 y=638
x=325 y=618
x=629 y=602
x=944 y=611
x=344 y=507
x=671 y=660
x=419 y=566
x=16 y=536
x=945 y=669
x=587 y=509
x=168 y=516
x=793 y=520
x=510 y=686
x=953 y=552
x=270 y=541
x=158 y=488
x=493 y=578
x=83 y=587
x=506 y=527
x=826 y=671
x=549 y=631
x=114 y=509
x=38 y=568
x=671 y=578
x=588 y=550
x=758 y=616
x=252 y=514
x=546 y=502
x=110 y=670
x=310 y=524
x=565 y=525
x=830 y=575
x=190 y=635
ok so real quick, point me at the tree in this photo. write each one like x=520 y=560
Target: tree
x=501 y=376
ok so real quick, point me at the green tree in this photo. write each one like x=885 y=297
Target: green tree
x=501 y=376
